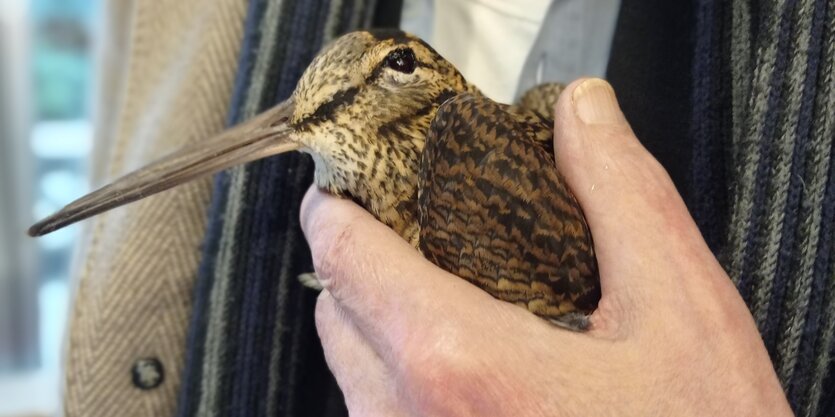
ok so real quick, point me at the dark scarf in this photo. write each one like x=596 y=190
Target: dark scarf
x=763 y=177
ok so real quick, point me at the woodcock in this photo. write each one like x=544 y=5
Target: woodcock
x=394 y=126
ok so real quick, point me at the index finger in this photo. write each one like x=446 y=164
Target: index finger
x=387 y=287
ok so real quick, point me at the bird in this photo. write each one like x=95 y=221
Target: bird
x=470 y=183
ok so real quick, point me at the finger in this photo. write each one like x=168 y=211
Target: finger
x=362 y=376
x=390 y=291
x=635 y=213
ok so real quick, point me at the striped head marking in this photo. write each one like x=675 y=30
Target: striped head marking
x=361 y=110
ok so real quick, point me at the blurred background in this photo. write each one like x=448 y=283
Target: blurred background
x=46 y=78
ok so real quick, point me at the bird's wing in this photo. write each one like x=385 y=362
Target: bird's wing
x=540 y=99
x=495 y=211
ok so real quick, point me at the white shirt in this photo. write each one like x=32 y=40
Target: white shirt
x=490 y=41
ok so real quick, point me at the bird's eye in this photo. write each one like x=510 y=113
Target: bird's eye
x=402 y=60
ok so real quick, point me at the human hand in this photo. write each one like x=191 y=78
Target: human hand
x=671 y=335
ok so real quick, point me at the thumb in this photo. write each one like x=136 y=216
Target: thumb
x=636 y=216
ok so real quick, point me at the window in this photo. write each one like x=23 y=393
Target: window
x=45 y=139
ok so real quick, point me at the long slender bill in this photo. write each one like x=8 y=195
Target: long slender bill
x=266 y=134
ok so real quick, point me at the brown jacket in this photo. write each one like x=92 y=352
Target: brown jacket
x=166 y=75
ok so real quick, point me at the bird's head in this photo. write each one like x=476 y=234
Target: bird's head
x=361 y=110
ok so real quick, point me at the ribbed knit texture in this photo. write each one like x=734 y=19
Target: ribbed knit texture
x=763 y=129
x=165 y=80
x=252 y=348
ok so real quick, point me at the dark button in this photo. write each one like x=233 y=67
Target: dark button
x=147 y=373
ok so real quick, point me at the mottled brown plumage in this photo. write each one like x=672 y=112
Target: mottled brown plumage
x=495 y=211
x=477 y=191
x=540 y=99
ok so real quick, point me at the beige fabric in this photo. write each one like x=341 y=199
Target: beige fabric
x=166 y=83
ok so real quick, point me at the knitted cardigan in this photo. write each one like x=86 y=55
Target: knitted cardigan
x=762 y=179
x=758 y=179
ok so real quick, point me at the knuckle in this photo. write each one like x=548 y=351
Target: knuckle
x=332 y=251
x=418 y=351
x=443 y=362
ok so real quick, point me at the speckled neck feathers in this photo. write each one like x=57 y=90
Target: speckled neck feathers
x=365 y=123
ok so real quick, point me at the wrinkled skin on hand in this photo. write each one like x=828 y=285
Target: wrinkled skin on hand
x=671 y=335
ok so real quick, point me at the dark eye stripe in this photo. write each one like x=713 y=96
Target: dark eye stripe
x=326 y=110
x=375 y=74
